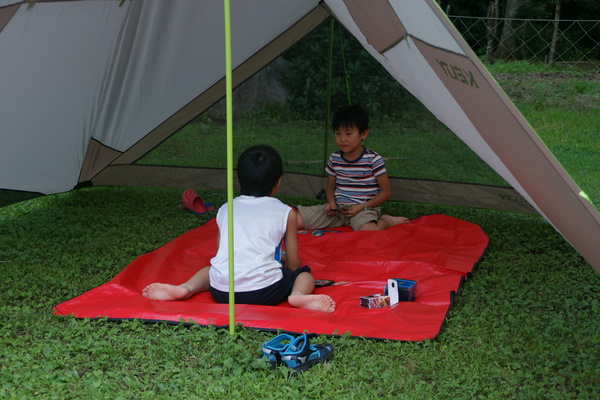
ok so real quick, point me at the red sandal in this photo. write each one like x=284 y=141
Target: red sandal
x=193 y=202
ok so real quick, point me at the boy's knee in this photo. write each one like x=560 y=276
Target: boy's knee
x=369 y=226
x=300 y=222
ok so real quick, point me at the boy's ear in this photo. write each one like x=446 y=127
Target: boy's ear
x=364 y=134
x=275 y=188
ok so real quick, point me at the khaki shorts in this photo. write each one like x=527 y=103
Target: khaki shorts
x=315 y=217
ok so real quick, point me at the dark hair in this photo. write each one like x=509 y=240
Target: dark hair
x=258 y=169
x=349 y=116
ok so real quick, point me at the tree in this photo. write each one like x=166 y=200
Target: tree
x=354 y=71
x=508 y=45
x=554 y=33
x=492 y=27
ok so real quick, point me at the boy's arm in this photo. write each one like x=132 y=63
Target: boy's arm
x=291 y=243
x=385 y=191
x=330 y=195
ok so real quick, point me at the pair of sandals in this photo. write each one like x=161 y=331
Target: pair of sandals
x=296 y=353
x=191 y=201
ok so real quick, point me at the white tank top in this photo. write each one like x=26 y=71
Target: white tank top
x=259 y=224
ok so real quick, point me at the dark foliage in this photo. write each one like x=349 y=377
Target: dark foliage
x=356 y=76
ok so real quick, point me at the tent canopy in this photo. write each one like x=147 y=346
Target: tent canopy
x=88 y=87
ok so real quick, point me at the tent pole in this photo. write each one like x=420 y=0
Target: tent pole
x=328 y=99
x=345 y=69
x=229 y=107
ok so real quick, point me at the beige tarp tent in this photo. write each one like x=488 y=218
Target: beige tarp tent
x=88 y=87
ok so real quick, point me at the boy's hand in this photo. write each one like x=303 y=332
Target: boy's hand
x=353 y=210
x=331 y=209
x=283 y=261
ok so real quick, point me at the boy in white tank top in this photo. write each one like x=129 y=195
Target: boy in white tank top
x=260 y=224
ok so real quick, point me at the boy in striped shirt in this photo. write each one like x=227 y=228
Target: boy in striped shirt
x=357 y=181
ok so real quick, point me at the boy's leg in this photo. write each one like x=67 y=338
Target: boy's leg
x=370 y=220
x=384 y=222
x=199 y=282
x=302 y=296
x=299 y=221
x=315 y=217
x=388 y=220
x=366 y=220
x=370 y=226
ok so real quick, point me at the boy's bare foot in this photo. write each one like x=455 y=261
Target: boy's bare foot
x=317 y=302
x=164 y=291
x=391 y=220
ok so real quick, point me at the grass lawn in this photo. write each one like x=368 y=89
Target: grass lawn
x=525 y=325
x=562 y=107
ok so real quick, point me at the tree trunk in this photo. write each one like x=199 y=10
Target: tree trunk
x=507 y=46
x=447 y=11
x=492 y=27
x=262 y=88
x=554 y=34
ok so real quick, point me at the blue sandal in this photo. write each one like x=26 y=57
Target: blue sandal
x=272 y=349
x=300 y=355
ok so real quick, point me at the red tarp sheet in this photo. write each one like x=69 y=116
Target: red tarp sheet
x=437 y=251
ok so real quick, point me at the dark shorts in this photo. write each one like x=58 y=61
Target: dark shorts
x=269 y=296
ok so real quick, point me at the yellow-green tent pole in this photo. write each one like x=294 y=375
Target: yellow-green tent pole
x=229 y=107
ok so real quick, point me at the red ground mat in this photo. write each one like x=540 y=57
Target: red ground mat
x=437 y=251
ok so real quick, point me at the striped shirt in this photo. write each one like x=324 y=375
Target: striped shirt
x=355 y=181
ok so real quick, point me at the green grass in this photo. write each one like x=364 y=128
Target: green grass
x=562 y=106
x=524 y=326
x=409 y=145
x=563 y=109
